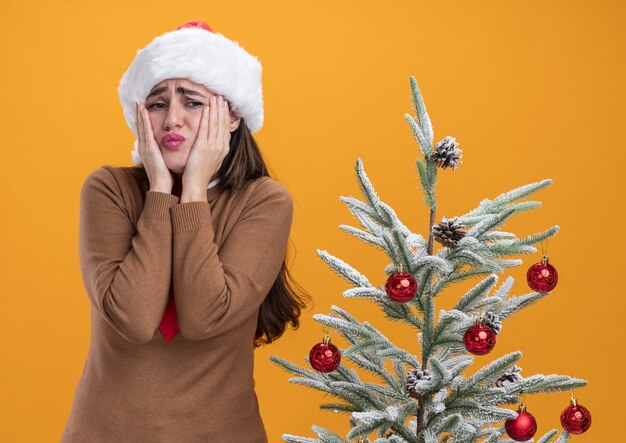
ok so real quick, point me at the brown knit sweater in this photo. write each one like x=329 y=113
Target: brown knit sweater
x=222 y=258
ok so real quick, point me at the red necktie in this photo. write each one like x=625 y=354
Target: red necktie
x=169 y=324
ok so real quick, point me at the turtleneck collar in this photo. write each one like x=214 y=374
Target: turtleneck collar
x=213 y=183
x=213 y=190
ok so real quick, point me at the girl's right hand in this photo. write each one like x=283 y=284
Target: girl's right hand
x=160 y=177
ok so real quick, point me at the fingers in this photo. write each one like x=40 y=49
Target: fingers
x=138 y=121
x=213 y=122
x=219 y=136
x=204 y=124
x=148 y=134
x=225 y=126
x=139 y=124
x=222 y=126
x=214 y=127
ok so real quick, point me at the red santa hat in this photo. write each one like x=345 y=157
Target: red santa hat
x=193 y=51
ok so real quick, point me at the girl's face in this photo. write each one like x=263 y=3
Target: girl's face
x=175 y=106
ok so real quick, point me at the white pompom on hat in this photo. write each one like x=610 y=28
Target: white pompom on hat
x=193 y=51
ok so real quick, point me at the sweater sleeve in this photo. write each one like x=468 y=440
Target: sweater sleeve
x=217 y=289
x=126 y=271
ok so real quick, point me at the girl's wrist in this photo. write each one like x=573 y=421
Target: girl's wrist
x=193 y=194
x=161 y=188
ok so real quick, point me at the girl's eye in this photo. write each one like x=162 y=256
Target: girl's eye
x=159 y=105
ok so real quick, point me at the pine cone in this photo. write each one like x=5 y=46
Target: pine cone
x=509 y=377
x=493 y=321
x=448 y=232
x=446 y=154
x=414 y=378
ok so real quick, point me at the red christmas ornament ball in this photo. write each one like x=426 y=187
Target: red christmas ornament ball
x=576 y=419
x=401 y=287
x=523 y=427
x=479 y=339
x=542 y=276
x=325 y=357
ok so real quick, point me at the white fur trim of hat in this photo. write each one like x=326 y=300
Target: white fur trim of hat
x=193 y=51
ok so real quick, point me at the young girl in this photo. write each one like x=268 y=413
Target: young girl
x=183 y=255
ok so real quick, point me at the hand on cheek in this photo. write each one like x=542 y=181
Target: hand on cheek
x=208 y=151
x=158 y=174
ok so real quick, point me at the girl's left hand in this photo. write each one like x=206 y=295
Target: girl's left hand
x=210 y=148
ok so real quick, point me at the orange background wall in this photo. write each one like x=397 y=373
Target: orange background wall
x=531 y=90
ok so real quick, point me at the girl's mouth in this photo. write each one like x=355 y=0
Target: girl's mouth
x=172 y=141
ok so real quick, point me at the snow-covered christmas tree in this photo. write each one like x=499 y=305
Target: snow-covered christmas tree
x=445 y=393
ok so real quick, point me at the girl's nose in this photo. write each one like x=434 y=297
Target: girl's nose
x=174 y=117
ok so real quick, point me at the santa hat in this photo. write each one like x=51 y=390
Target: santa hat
x=193 y=51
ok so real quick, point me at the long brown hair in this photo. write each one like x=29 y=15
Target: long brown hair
x=286 y=298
